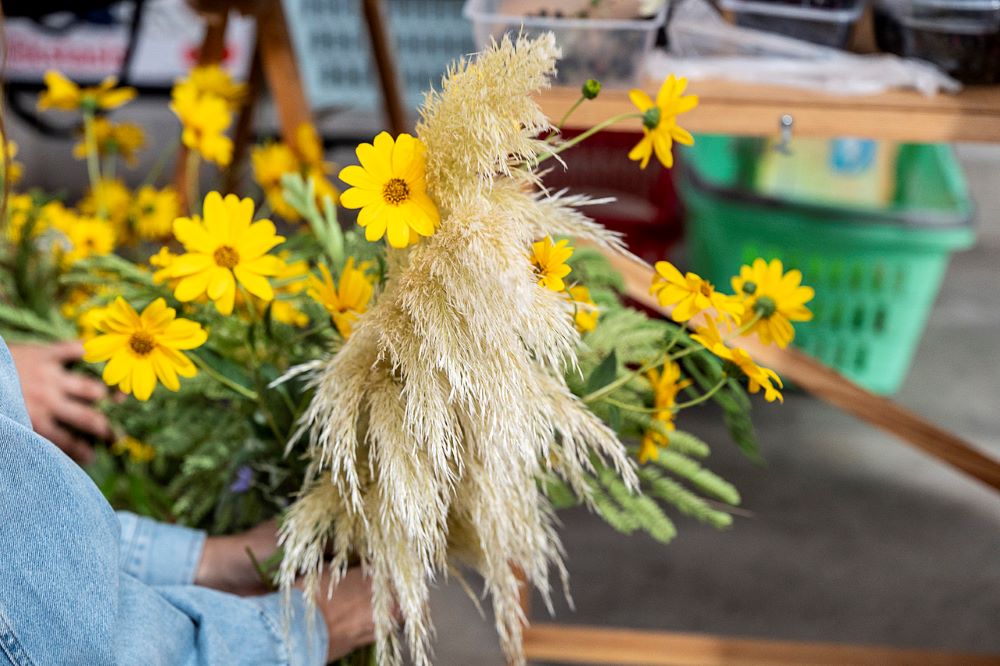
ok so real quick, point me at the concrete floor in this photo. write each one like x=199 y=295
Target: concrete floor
x=854 y=536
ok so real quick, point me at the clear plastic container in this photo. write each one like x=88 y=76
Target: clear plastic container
x=610 y=50
x=826 y=22
x=962 y=37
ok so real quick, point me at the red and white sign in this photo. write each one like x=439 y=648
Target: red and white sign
x=86 y=52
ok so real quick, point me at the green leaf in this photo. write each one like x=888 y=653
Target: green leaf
x=614 y=418
x=603 y=374
x=224 y=367
x=736 y=406
x=703 y=479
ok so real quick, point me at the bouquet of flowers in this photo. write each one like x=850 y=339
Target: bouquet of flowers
x=419 y=406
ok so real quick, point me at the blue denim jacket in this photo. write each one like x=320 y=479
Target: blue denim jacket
x=82 y=585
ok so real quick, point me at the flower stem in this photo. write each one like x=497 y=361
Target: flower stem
x=702 y=398
x=93 y=162
x=193 y=167
x=225 y=381
x=631 y=408
x=161 y=162
x=607 y=389
x=675 y=338
x=569 y=112
x=747 y=327
x=109 y=166
x=586 y=135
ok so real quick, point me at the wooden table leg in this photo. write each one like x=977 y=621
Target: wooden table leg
x=244 y=124
x=383 y=52
x=282 y=74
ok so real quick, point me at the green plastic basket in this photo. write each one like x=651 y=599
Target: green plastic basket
x=876 y=271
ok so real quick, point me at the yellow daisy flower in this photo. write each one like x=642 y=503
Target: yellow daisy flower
x=758 y=376
x=20 y=208
x=117 y=201
x=776 y=297
x=216 y=81
x=666 y=384
x=587 y=313
x=227 y=248
x=154 y=212
x=549 y=260
x=205 y=119
x=270 y=162
x=88 y=236
x=344 y=301
x=123 y=139
x=659 y=121
x=325 y=188
x=63 y=94
x=690 y=294
x=309 y=146
x=13 y=171
x=293 y=279
x=390 y=190
x=137 y=451
x=162 y=261
x=309 y=149
x=143 y=349
x=87 y=323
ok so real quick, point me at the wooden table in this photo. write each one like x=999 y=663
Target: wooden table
x=738 y=108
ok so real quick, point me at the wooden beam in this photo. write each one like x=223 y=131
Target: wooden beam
x=384 y=55
x=244 y=124
x=597 y=645
x=832 y=387
x=280 y=71
x=755 y=110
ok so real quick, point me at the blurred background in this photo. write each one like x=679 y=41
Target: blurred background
x=886 y=199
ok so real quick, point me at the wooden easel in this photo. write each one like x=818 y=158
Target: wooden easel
x=274 y=62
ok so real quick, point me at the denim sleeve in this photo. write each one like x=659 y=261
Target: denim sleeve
x=157 y=553
x=64 y=598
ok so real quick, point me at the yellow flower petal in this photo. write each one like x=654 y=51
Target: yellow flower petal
x=640 y=99
x=254 y=283
x=143 y=379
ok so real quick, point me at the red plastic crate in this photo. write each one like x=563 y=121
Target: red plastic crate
x=646 y=209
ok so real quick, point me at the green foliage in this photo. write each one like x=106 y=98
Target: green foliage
x=629 y=512
x=704 y=480
x=625 y=340
x=674 y=493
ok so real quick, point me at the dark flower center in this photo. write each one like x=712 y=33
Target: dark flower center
x=142 y=343
x=765 y=307
x=651 y=119
x=396 y=191
x=226 y=256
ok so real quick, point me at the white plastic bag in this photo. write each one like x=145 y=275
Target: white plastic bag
x=704 y=46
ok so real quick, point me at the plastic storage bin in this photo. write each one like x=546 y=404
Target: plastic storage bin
x=826 y=22
x=876 y=272
x=331 y=34
x=646 y=209
x=962 y=37
x=609 y=50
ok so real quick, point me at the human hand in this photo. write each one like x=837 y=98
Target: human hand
x=60 y=401
x=347 y=613
x=225 y=564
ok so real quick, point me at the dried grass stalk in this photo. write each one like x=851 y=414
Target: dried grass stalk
x=430 y=428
